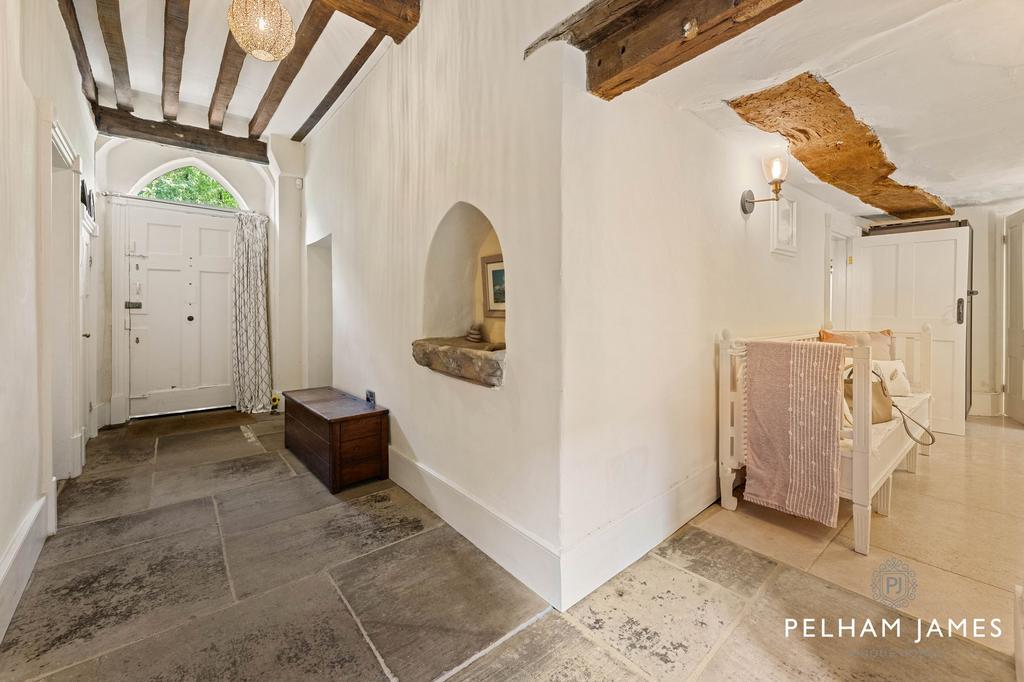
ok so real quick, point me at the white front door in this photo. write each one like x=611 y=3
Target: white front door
x=1015 y=317
x=180 y=340
x=903 y=281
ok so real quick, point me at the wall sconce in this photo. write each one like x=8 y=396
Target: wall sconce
x=775 y=170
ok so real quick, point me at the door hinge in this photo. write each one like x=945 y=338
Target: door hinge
x=90 y=406
x=1004 y=239
x=849 y=260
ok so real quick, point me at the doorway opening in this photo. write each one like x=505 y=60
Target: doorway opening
x=319 y=314
x=838 y=281
x=178 y=267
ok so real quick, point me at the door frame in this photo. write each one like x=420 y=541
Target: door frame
x=832 y=234
x=50 y=138
x=120 y=253
x=1003 y=286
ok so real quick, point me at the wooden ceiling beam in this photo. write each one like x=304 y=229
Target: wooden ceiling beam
x=825 y=135
x=313 y=24
x=629 y=42
x=117 y=123
x=344 y=81
x=67 y=11
x=175 y=29
x=109 y=12
x=227 y=80
x=397 y=18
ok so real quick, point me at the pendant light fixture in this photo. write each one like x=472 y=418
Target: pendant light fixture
x=263 y=28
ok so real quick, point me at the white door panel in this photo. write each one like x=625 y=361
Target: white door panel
x=1015 y=317
x=180 y=343
x=904 y=281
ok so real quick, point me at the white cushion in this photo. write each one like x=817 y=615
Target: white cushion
x=894 y=376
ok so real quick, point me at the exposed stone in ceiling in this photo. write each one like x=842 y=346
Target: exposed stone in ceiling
x=825 y=135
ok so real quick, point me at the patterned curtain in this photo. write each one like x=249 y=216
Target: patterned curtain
x=250 y=335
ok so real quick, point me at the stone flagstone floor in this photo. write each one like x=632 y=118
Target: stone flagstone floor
x=197 y=548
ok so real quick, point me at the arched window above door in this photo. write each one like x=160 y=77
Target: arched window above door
x=189 y=185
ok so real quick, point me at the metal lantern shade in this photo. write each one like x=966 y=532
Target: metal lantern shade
x=263 y=28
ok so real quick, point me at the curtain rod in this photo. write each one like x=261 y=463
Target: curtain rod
x=232 y=211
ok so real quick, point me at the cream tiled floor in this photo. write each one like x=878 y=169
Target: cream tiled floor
x=958 y=523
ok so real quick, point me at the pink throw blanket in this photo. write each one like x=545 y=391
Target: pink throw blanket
x=793 y=407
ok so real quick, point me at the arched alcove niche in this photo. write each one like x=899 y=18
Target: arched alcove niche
x=464 y=256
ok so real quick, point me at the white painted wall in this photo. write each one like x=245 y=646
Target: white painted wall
x=626 y=253
x=20 y=463
x=34 y=65
x=453 y=115
x=319 y=365
x=658 y=259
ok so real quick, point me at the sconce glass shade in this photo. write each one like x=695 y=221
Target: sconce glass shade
x=263 y=28
x=775 y=168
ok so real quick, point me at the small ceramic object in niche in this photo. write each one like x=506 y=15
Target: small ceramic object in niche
x=474 y=335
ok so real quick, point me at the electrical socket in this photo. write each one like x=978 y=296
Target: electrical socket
x=371 y=397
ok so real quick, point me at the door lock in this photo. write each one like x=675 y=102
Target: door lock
x=191 y=318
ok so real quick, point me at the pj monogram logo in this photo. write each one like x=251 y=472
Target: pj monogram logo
x=894 y=583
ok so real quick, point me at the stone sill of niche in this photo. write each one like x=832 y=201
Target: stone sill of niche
x=480 y=363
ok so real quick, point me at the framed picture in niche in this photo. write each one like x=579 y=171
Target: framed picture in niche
x=784 y=227
x=492 y=269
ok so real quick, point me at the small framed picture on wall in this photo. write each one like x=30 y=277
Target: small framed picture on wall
x=783 y=227
x=493 y=271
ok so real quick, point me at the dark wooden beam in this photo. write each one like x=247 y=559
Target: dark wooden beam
x=629 y=42
x=397 y=18
x=117 y=123
x=175 y=29
x=313 y=24
x=67 y=10
x=335 y=92
x=109 y=12
x=227 y=80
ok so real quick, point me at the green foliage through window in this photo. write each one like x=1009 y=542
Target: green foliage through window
x=189 y=185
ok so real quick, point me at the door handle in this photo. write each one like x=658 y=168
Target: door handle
x=190 y=318
x=959 y=311
x=86 y=335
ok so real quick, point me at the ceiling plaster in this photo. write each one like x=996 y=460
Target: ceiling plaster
x=941 y=82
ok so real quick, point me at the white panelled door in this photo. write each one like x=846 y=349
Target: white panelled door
x=903 y=281
x=180 y=339
x=1015 y=317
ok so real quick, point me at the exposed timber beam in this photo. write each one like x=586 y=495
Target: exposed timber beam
x=344 y=81
x=117 y=123
x=313 y=24
x=67 y=10
x=629 y=42
x=825 y=135
x=175 y=29
x=227 y=81
x=397 y=18
x=109 y=12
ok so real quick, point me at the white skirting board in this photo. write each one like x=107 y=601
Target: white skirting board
x=19 y=558
x=604 y=553
x=986 y=404
x=532 y=561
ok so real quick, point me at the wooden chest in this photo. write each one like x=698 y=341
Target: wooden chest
x=342 y=439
